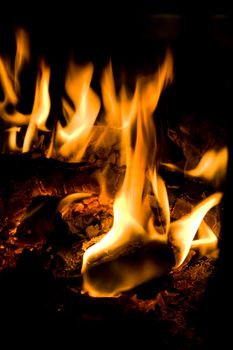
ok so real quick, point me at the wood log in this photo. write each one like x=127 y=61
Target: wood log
x=24 y=177
x=108 y=274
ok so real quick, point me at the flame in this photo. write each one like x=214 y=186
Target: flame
x=7 y=86
x=111 y=265
x=22 y=54
x=75 y=136
x=110 y=100
x=37 y=119
x=207 y=240
x=135 y=249
x=160 y=192
x=41 y=107
x=67 y=201
x=12 y=140
x=182 y=231
x=211 y=167
x=9 y=77
x=130 y=219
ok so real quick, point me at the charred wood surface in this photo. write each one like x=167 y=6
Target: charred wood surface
x=24 y=177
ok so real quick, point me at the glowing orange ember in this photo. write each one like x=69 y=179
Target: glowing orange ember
x=134 y=250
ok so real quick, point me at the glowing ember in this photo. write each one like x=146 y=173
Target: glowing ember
x=134 y=250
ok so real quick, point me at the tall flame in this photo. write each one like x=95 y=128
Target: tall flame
x=9 y=78
x=109 y=266
x=41 y=107
x=22 y=54
x=130 y=219
x=74 y=137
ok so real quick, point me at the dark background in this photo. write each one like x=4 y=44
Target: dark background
x=135 y=40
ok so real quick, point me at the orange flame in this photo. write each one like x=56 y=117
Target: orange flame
x=7 y=86
x=207 y=240
x=9 y=77
x=130 y=219
x=12 y=140
x=75 y=136
x=22 y=54
x=11 y=88
x=67 y=201
x=182 y=231
x=41 y=108
x=129 y=118
x=211 y=167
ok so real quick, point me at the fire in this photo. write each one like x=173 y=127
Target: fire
x=9 y=77
x=73 y=138
x=182 y=232
x=12 y=140
x=134 y=250
x=104 y=276
x=211 y=167
x=41 y=108
x=10 y=84
x=69 y=200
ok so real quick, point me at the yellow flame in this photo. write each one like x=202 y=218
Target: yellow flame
x=207 y=240
x=130 y=219
x=7 y=84
x=183 y=231
x=22 y=54
x=12 y=140
x=66 y=202
x=110 y=100
x=9 y=77
x=74 y=137
x=160 y=192
x=211 y=167
x=38 y=117
x=41 y=107
x=128 y=117
x=212 y=164
x=133 y=221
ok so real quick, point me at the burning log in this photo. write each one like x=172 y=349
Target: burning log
x=130 y=265
x=24 y=177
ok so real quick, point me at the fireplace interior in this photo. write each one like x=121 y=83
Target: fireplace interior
x=45 y=233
